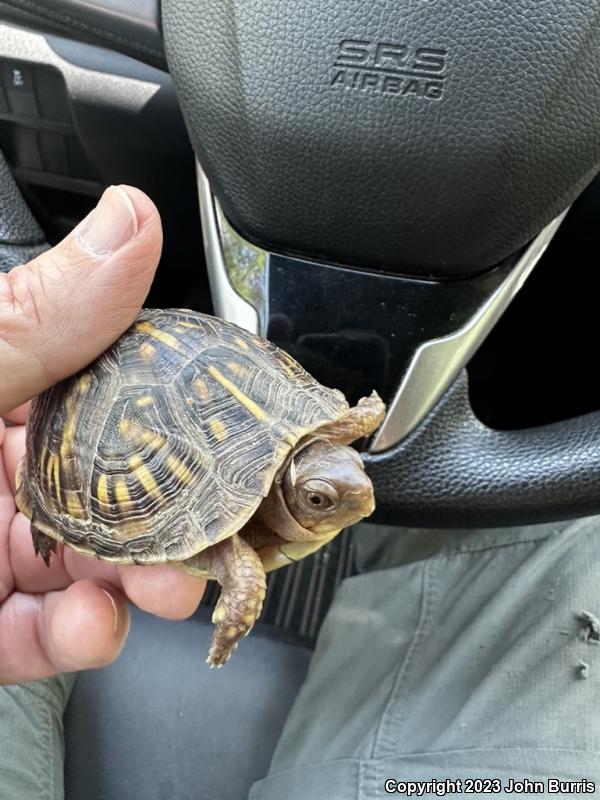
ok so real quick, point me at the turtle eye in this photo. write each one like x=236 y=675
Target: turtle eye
x=320 y=495
x=319 y=500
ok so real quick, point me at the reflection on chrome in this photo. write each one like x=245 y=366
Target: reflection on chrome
x=246 y=266
x=237 y=270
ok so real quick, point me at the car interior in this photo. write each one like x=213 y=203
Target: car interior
x=387 y=200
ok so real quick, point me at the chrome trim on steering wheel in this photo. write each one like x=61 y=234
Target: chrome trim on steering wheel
x=437 y=363
x=237 y=270
x=239 y=274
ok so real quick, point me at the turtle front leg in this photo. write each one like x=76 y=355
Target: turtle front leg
x=239 y=570
x=366 y=416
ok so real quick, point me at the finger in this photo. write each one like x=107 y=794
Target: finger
x=18 y=416
x=7 y=512
x=64 y=308
x=31 y=575
x=84 y=626
x=162 y=590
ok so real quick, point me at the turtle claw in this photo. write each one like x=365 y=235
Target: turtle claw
x=233 y=622
x=43 y=545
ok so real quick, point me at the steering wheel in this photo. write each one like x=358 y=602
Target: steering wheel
x=376 y=181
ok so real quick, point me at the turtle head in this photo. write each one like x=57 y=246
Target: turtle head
x=325 y=487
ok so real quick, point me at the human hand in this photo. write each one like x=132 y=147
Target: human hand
x=57 y=314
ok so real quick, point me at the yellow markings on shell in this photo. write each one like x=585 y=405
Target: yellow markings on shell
x=74 y=504
x=149 y=329
x=102 y=490
x=126 y=428
x=66 y=447
x=49 y=468
x=145 y=400
x=288 y=365
x=134 y=432
x=186 y=324
x=201 y=389
x=147 y=351
x=53 y=476
x=150 y=438
x=179 y=469
x=121 y=491
x=219 y=430
x=236 y=392
x=237 y=369
x=146 y=478
x=84 y=382
x=241 y=343
x=56 y=475
x=128 y=528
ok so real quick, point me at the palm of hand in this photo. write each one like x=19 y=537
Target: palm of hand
x=74 y=614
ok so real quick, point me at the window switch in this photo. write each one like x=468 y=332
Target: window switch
x=18 y=82
x=17 y=78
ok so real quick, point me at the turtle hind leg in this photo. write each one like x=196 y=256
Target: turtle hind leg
x=43 y=545
x=239 y=571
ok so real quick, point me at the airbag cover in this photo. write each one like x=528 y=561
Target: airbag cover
x=428 y=137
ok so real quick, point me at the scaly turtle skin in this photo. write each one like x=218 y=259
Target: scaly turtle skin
x=194 y=442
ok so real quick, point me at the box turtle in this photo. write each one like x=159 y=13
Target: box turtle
x=194 y=442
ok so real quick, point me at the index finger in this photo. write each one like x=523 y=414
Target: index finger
x=18 y=415
x=159 y=589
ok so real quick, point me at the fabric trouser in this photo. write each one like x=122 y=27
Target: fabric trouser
x=454 y=656
x=31 y=739
x=457 y=655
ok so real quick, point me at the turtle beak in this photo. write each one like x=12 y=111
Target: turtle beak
x=360 y=502
x=369 y=503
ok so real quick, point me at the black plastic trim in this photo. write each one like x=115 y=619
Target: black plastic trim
x=131 y=28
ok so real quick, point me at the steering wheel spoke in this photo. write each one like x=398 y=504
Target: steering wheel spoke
x=432 y=461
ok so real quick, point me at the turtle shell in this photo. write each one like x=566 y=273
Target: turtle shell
x=169 y=441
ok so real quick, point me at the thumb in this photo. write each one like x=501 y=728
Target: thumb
x=64 y=308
